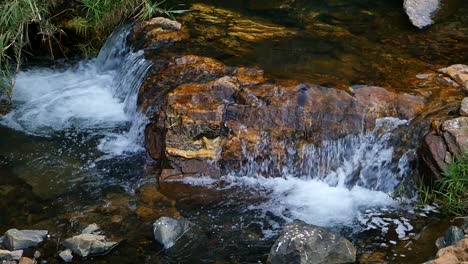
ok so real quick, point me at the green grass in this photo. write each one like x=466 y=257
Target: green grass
x=93 y=21
x=451 y=191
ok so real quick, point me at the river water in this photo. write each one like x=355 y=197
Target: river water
x=74 y=139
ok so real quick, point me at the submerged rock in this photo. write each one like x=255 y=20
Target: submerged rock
x=66 y=255
x=168 y=231
x=421 y=12
x=303 y=243
x=22 y=239
x=85 y=245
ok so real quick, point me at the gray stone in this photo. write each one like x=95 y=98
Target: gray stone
x=85 y=245
x=168 y=230
x=10 y=255
x=302 y=243
x=92 y=229
x=37 y=254
x=451 y=237
x=66 y=255
x=2 y=242
x=22 y=239
x=464 y=107
x=421 y=12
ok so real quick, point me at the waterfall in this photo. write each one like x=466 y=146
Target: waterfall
x=97 y=97
x=329 y=183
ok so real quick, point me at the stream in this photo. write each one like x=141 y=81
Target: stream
x=72 y=145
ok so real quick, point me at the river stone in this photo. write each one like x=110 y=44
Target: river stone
x=10 y=255
x=168 y=231
x=85 y=245
x=420 y=12
x=451 y=237
x=458 y=73
x=66 y=255
x=303 y=243
x=21 y=239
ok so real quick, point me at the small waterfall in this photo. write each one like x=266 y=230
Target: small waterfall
x=330 y=183
x=367 y=160
x=96 y=97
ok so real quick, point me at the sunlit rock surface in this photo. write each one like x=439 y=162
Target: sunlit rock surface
x=421 y=12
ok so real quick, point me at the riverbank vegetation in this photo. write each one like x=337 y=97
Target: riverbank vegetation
x=61 y=27
x=450 y=192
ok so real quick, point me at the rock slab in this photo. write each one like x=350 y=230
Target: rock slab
x=22 y=239
x=301 y=243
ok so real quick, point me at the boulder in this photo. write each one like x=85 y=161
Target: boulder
x=168 y=231
x=453 y=254
x=22 y=239
x=10 y=255
x=451 y=237
x=303 y=243
x=66 y=255
x=421 y=12
x=208 y=116
x=85 y=245
x=458 y=73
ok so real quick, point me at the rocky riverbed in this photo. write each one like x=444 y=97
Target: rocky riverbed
x=243 y=137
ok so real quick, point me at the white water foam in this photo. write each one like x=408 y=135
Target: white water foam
x=96 y=97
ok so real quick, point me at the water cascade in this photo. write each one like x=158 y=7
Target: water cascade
x=95 y=97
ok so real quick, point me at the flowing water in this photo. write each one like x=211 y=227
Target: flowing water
x=74 y=139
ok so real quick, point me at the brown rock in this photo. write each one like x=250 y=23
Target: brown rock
x=25 y=260
x=453 y=254
x=433 y=153
x=458 y=73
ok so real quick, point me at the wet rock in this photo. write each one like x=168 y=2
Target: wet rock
x=37 y=254
x=10 y=255
x=464 y=107
x=158 y=32
x=2 y=242
x=455 y=132
x=85 y=245
x=458 y=73
x=22 y=239
x=25 y=260
x=168 y=231
x=303 y=243
x=451 y=237
x=66 y=255
x=453 y=254
x=421 y=12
